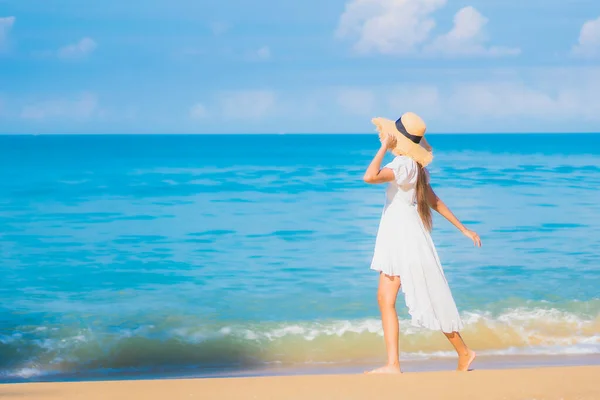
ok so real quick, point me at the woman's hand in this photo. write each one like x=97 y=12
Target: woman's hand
x=473 y=236
x=438 y=205
x=386 y=142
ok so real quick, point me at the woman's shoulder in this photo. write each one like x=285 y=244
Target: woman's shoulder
x=405 y=161
x=409 y=165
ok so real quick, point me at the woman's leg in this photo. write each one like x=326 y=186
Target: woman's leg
x=386 y=297
x=465 y=355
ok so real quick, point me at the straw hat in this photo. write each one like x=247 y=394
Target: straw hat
x=408 y=137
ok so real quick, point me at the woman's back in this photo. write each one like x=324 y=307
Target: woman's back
x=402 y=190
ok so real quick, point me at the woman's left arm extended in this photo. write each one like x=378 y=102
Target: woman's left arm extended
x=438 y=205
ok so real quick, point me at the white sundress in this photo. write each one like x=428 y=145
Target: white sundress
x=404 y=248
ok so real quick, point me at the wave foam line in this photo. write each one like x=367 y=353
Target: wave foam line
x=182 y=343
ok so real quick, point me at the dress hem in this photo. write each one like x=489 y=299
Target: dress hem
x=419 y=320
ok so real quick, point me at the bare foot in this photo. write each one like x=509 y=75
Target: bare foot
x=464 y=362
x=388 y=369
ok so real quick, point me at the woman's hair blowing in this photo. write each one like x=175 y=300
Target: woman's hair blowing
x=422 y=204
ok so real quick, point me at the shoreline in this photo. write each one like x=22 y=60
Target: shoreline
x=535 y=383
x=482 y=363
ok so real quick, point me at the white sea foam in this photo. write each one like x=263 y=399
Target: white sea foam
x=25 y=373
x=519 y=331
x=548 y=331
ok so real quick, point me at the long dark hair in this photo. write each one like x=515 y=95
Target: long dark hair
x=422 y=203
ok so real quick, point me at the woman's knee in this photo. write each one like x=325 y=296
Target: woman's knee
x=386 y=299
x=388 y=290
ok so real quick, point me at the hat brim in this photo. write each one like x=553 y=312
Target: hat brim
x=421 y=153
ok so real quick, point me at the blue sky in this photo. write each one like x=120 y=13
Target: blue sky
x=298 y=66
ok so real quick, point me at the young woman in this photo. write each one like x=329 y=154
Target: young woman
x=405 y=255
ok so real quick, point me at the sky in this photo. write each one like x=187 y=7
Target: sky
x=310 y=66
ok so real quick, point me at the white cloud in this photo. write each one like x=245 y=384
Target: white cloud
x=589 y=39
x=517 y=100
x=198 y=111
x=79 y=108
x=388 y=26
x=397 y=27
x=251 y=104
x=6 y=24
x=502 y=100
x=77 y=50
x=356 y=101
x=501 y=104
x=537 y=100
x=467 y=37
x=422 y=99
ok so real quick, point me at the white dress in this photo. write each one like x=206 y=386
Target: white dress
x=404 y=248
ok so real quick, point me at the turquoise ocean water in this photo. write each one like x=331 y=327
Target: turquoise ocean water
x=150 y=255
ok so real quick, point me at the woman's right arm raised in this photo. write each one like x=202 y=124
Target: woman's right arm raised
x=374 y=173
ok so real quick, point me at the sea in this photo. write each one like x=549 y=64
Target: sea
x=135 y=256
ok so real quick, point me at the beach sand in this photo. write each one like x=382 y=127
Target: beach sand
x=565 y=383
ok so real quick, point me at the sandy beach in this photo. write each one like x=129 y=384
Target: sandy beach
x=566 y=383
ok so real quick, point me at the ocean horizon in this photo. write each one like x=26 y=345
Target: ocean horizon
x=149 y=255
x=429 y=134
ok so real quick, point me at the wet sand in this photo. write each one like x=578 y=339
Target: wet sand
x=566 y=383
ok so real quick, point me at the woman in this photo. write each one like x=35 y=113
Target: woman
x=405 y=255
